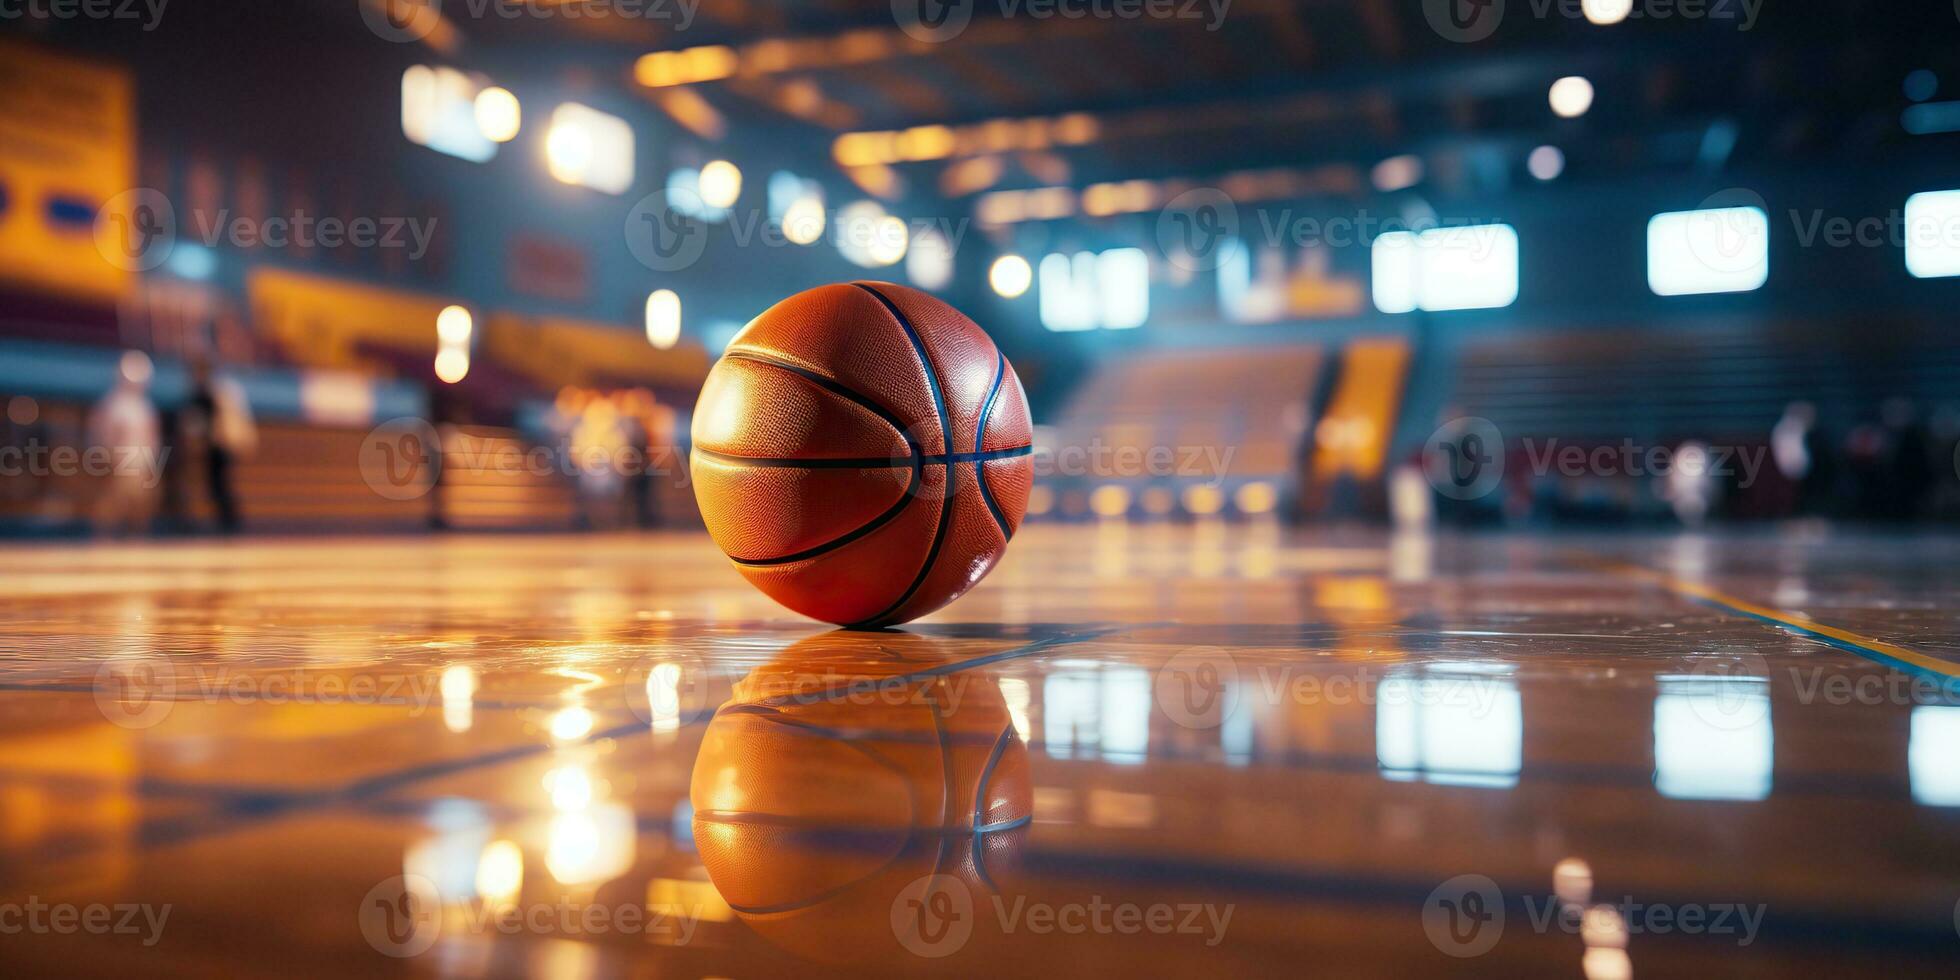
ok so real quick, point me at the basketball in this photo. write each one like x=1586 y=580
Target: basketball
x=830 y=783
x=862 y=453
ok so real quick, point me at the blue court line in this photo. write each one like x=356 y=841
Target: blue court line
x=1949 y=682
x=1870 y=648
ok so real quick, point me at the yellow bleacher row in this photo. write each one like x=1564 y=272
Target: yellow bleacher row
x=329 y=323
x=1244 y=416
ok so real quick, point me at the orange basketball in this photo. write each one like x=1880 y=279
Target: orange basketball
x=862 y=453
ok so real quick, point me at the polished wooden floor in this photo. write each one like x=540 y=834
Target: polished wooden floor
x=1133 y=750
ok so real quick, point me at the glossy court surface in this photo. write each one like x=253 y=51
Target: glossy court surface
x=1133 y=750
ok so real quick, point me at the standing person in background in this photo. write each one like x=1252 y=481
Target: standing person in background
x=1909 y=464
x=218 y=412
x=125 y=423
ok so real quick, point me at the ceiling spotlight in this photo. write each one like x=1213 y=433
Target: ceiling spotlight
x=498 y=115
x=453 y=326
x=1010 y=276
x=721 y=184
x=663 y=318
x=1571 y=96
x=1546 y=162
x=1604 y=12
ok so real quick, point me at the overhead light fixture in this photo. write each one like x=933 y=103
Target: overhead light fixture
x=1571 y=96
x=663 y=316
x=498 y=115
x=721 y=184
x=1011 y=275
x=1606 y=12
x=1546 y=162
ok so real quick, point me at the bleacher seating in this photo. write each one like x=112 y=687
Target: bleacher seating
x=1722 y=382
x=1198 y=404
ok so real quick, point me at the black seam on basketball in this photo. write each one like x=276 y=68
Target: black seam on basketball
x=925 y=361
x=946 y=428
x=915 y=459
x=836 y=387
x=865 y=462
x=980 y=804
x=979 y=440
x=889 y=514
x=946 y=788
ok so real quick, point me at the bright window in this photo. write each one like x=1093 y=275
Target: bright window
x=1089 y=290
x=1717 y=250
x=1933 y=234
x=1462 y=267
x=439 y=112
x=590 y=148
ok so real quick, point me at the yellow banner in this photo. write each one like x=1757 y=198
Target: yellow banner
x=67 y=138
x=332 y=323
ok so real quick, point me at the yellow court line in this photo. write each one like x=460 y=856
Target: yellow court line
x=1843 y=638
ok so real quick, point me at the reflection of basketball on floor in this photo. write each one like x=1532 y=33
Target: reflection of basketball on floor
x=862 y=452
x=827 y=785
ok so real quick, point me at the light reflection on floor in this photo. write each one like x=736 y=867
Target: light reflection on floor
x=594 y=755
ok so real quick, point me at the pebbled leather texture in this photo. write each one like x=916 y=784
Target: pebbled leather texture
x=869 y=384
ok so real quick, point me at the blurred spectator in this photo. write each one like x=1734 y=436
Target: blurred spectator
x=1820 y=489
x=447 y=410
x=1944 y=431
x=596 y=439
x=639 y=480
x=1690 y=489
x=125 y=423
x=1789 y=441
x=1864 y=464
x=218 y=419
x=1908 y=464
